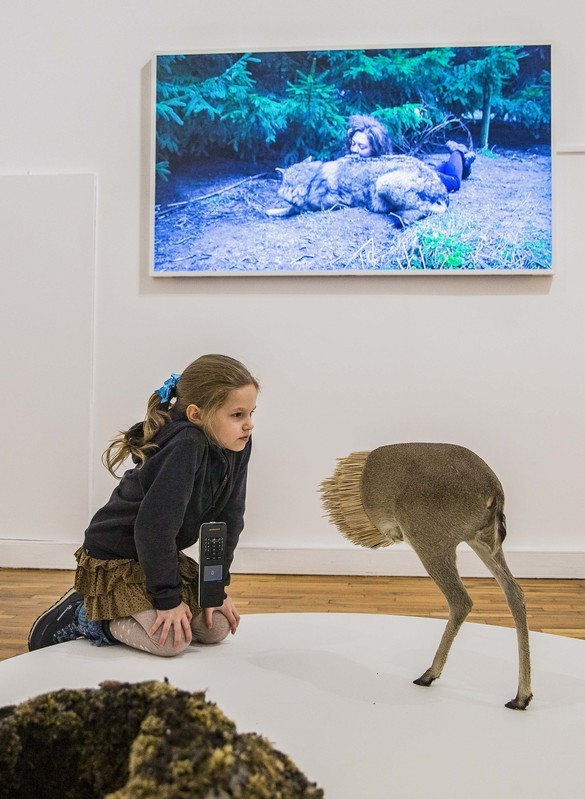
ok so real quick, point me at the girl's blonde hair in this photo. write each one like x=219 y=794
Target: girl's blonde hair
x=206 y=383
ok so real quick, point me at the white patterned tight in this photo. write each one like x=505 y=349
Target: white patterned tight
x=133 y=631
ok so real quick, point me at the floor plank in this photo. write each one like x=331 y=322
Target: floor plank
x=553 y=606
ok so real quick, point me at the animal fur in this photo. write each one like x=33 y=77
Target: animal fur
x=398 y=185
x=433 y=496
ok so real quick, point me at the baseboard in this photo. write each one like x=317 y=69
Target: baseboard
x=30 y=554
x=401 y=561
x=397 y=561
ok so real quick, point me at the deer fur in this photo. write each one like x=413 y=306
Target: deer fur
x=433 y=496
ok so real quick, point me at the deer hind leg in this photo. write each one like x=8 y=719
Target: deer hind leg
x=442 y=567
x=497 y=565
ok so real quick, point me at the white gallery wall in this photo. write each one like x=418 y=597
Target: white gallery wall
x=346 y=363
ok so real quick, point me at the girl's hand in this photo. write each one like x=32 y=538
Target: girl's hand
x=229 y=611
x=177 y=620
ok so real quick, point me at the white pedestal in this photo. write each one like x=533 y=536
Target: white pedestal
x=335 y=692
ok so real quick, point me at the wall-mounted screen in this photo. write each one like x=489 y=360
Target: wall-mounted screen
x=426 y=160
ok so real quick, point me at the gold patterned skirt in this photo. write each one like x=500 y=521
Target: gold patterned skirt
x=113 y=589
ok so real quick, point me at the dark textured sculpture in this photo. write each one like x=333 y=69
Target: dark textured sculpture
x=131 y=741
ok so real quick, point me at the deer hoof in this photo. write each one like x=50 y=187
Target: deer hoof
x=519 y=704
x=424 y=680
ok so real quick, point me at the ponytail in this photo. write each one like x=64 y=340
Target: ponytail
x=136 y=442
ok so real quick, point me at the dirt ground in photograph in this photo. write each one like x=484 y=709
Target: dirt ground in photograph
x=211 y=217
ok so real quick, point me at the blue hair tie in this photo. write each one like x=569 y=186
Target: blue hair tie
x=164 y=391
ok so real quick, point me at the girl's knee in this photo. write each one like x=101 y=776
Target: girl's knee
x=133 y=631
x=169 y=650
x=220 y=628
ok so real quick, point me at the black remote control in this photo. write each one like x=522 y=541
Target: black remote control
x=212 y=547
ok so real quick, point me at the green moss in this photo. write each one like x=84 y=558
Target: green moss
x=137 y=741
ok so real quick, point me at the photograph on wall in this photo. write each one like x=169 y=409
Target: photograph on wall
x=326 y=162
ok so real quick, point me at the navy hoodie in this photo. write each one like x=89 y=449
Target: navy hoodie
x=157 y=509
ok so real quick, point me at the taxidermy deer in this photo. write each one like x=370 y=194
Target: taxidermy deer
x=433 y=496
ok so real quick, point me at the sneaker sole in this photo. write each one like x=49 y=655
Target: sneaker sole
x=37 y=625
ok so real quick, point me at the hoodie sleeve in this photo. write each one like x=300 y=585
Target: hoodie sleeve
x=167 y=480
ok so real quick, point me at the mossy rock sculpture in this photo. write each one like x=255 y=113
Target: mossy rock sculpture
x=137 y=741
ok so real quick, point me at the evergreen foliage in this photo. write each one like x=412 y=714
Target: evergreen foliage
x=282 y=107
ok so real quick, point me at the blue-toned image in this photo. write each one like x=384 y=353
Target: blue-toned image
x=353 y=162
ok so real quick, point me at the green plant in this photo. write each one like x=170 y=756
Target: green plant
x=281 y=107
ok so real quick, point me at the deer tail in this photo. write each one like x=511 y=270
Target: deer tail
x=493 y=529
x=501 y=522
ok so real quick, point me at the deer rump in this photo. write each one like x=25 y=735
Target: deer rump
x=434 y=496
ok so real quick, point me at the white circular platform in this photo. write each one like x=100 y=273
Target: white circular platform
x=335 y=692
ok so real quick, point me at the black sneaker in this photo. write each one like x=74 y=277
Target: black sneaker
x=58 y=623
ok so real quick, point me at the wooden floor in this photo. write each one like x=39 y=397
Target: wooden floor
x=554 y=606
